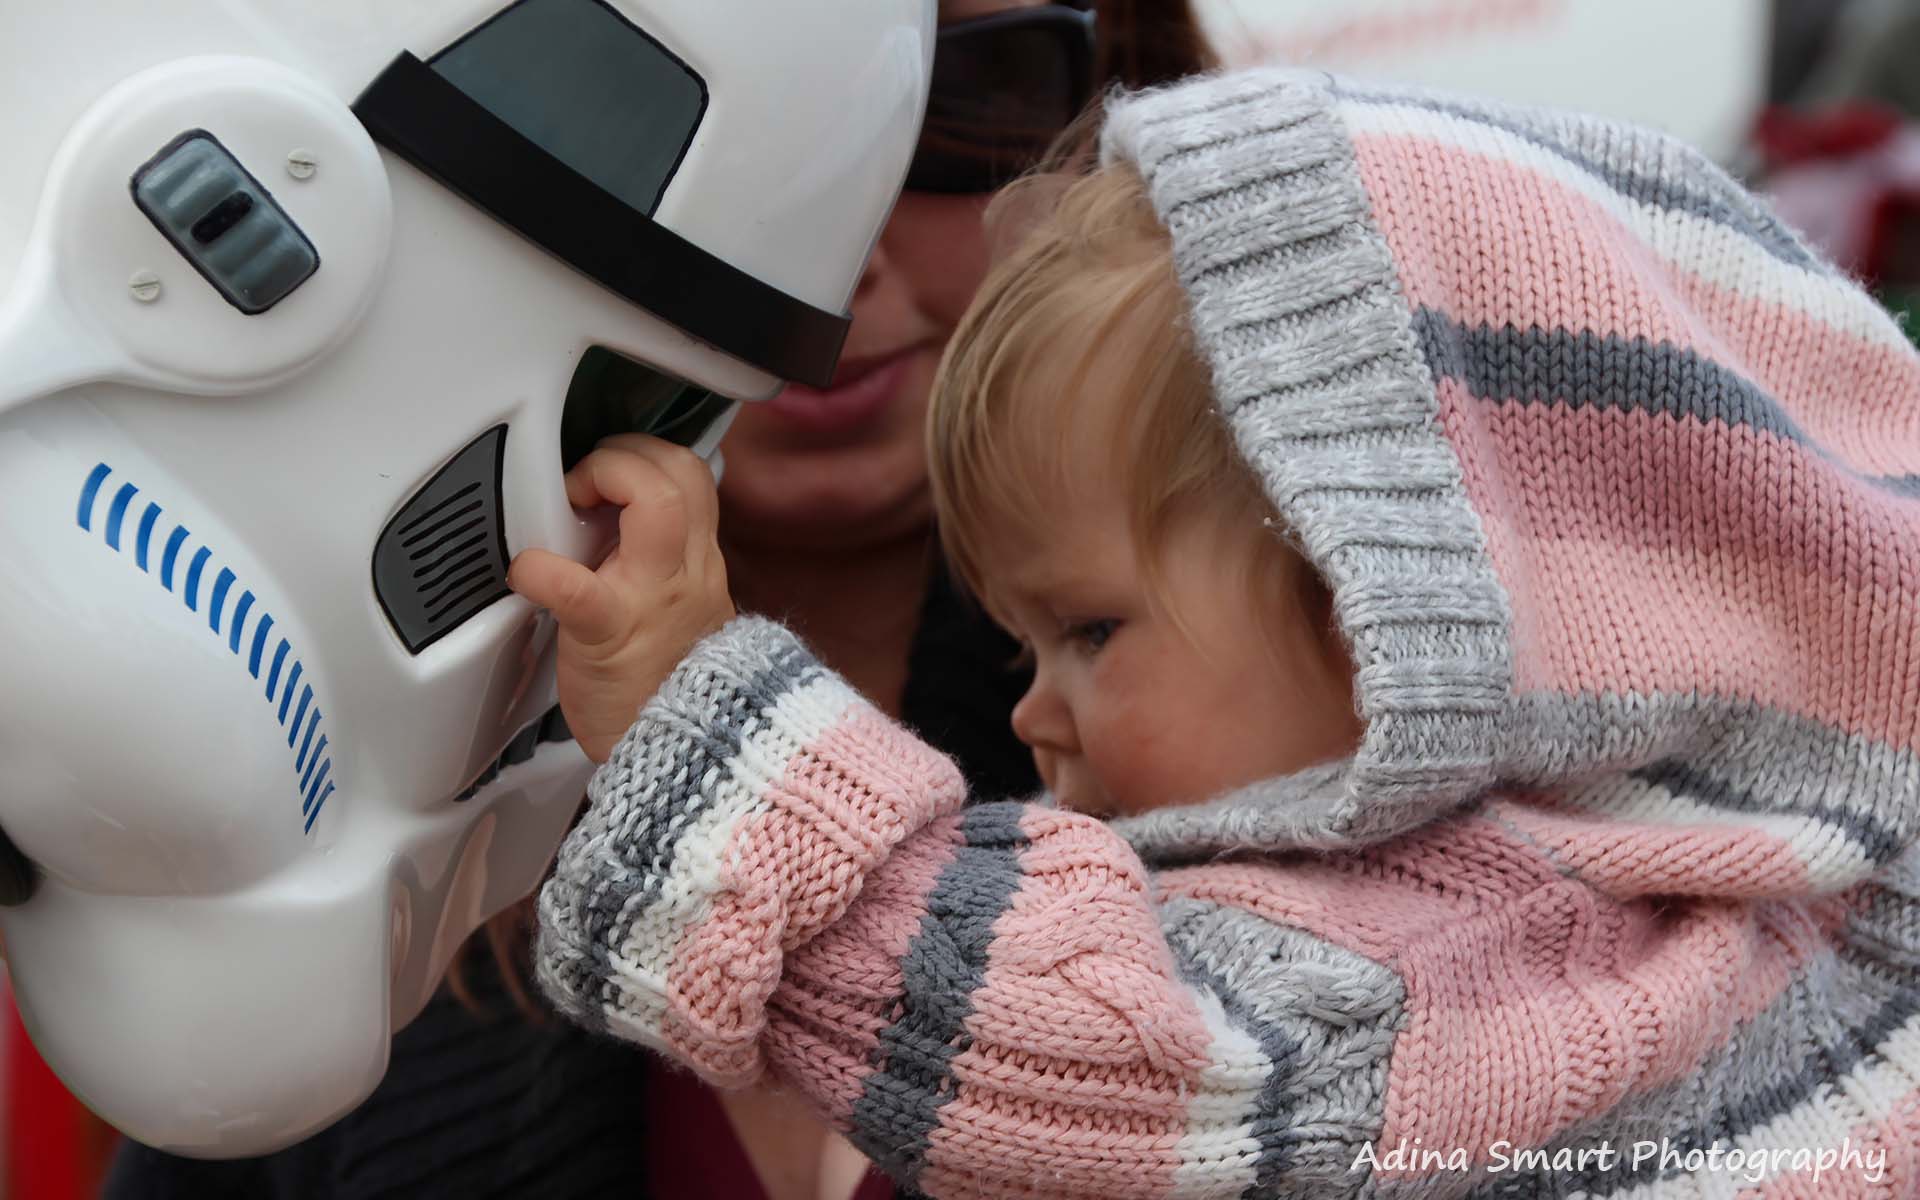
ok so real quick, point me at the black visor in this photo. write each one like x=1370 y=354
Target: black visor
x=1004 y=87
x=564 y=121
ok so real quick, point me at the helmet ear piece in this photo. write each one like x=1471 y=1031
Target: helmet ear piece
x=172 y=223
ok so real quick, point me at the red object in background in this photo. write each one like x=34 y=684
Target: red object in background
x=1788 y=136
x=692 y=1152
x=55 y=1148
x=1849 y=178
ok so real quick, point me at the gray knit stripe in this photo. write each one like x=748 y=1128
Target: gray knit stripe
x=1880 y=841
x=1615 y=154
x=1744 y=743
x=1324 y=1017
x=1775 y=762
x=1584 y=369
x=1233 y=90
x=899 y=1104
x=1370 y=485
x=1281 y=1047
x=1885 y=922
x=1830 y=1019
x=1759 y=760
x=613 y=864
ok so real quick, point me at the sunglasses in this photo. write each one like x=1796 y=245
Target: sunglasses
x=1004 y=87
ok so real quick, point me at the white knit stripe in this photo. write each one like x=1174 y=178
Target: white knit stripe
x=1836 y=1111
x=1831 y=857
x=1703 y=248
x=1219 y=1155
x=645 y=955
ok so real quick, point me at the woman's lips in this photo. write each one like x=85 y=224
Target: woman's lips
x=862 y=389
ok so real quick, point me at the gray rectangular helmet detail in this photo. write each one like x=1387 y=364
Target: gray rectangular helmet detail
x=443 y=557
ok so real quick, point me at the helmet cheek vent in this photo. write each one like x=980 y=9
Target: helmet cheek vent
x=443 y=557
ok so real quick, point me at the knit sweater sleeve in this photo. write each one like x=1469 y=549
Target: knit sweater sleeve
x=772 y=877
x=774 y=880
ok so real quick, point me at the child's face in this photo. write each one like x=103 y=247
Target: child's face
x=1130 y=711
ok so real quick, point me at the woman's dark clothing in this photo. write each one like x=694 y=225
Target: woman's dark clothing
x=496 y=1106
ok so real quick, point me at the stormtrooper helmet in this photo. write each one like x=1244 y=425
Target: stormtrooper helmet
x=304 y=310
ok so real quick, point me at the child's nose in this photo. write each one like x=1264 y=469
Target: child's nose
x=1041 y=719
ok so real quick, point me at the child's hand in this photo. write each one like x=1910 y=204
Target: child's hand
x=625 y=626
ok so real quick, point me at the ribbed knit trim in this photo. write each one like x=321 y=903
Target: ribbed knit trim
x=1318 y=372
x=671 y=789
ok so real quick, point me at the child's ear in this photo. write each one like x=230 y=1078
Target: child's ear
x=1315 y=599
x=1316 y=602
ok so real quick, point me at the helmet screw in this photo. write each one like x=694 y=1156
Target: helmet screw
x=145 y=286
x=301 y=164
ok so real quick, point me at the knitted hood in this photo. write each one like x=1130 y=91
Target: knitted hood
x=1617 y=485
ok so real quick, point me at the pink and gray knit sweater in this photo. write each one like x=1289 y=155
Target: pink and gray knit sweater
x=1618 y=489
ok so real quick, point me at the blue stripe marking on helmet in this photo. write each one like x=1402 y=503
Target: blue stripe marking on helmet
x=200 y=558
x=259 y=644
x=286 y=697
x=240 y=612
x=314 y=787
x=318 y=752
x=146 y=535
x=299 y=715
x=311 y=766
x=315 y=814
x=174 y=543
x=89 y=492
x=220 y=588
x=273 y=676
x=306 y=742
x=117 y=513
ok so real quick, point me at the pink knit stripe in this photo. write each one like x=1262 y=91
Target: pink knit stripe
x=1635 y=858
x=848 y=980
x=1533 y=1001
x=1445 y=873
x=1856 y=397
x=1531 y=1020
x=1078 y=973
x=791 y=869
x=1726 y=585
x=1897 y=1135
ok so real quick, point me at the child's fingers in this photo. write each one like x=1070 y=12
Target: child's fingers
x=586 y=606
x=653 y=510
x=602 y=478
x=689 y=472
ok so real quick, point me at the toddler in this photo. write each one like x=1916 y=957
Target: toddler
x=1470 y=558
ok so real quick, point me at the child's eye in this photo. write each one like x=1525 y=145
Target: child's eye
x=1092 y=634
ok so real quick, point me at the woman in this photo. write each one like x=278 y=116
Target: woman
x=827 y=525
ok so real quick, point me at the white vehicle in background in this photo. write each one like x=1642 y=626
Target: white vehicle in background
x=1695 y=68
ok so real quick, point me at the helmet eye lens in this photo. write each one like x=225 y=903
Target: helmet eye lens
x=611 y=394
x=588 y=87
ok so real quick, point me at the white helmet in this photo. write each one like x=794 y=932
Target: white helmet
x=303 y=307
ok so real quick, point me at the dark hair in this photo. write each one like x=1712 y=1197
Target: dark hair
x=1141 y=43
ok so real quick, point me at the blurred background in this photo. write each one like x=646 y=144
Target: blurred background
x=1813 y=101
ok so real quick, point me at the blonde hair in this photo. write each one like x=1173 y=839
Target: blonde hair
x=1088 y=286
